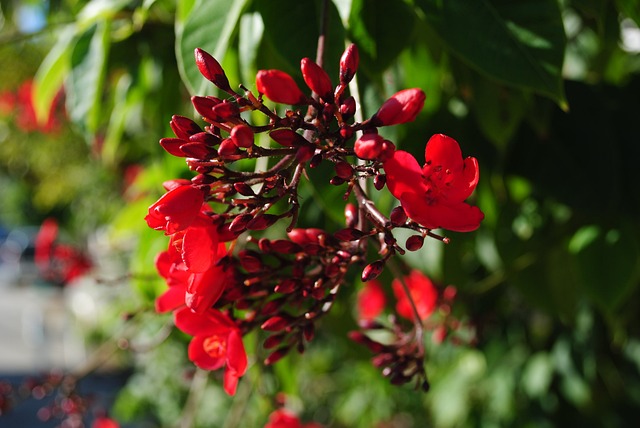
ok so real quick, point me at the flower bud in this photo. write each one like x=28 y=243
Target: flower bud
x=287 y=137
x=317 y=79
x=346 y=132
x=273 y=341
x=349 y=64
x=239 y=224
x=305 y=153
x=250 y=261
x=388 y=149
x=225 y=111
x=276 y=355
x=348 y=108
x=379 y=181
x=414 y=243
x=369 y=146
x=183 y=127
x=344 y=170
x=203 y=106
x=349 y=234
x=172 y=145
x=197 y=150
x=227 y=148
x=279 y=87
x=398 y=217
x=372 y=270
x=284 y=246
x=206 y=138
x=262 y=222
x=286 y=286
x=315 y=161
x=276 y=323
x=336 y=181
x=351 y=215
x=242 y=136
x=402 y=107
x=211 y=69
x=309 y=331
x=244 y=189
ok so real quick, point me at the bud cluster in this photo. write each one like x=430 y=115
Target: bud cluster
x=282 y=286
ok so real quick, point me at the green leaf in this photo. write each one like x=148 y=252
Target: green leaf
x=209 y=25
x=381 y=29
x=85 y=82
x=518 y=43
x=292 y=30
x=608 y=262
x=51 y=73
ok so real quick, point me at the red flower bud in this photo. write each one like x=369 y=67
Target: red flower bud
x=398 y=217
x=225 y=111
x=414 y=243
x=250 y=261
x=351 y=215
x=262 y=222
x=204 y=138
x=348 y=108
x=287 y=137
x=372 y=270
x=184 y=127
x=379 y=181
x=276 y=356
x=273 y=341
x=317 y=79
x=346 y=132
x=305 y=153
x=286 y=286
x=284 y=246
x=172 y=145
x=344 y=170
x=203 y=105
x=388 y=148
x=276 y=323
x=242 y=136
x=349 y=64
x=197 y=150
x=402 y=107
x=239 y=224
x=279 y=87
x=349 y=234
x=244 y=189
x=211 y=69
x=369 y=146
x=309 y=331
x=227 y=148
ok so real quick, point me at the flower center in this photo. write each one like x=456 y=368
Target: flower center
x=437 y=180
x=215 y=346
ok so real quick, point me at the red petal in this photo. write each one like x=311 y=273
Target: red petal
x=444 y=151
x=209 y=323
x=460 y=217
x=205 y=289
x=197 y=248
x=171 y=299
x=200 y=357
x=465 y=183
x=236 y=355
x=230 y=381
x=404 y=175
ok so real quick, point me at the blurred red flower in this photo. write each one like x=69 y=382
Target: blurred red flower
x=371 y=300
x=423 y=293
x=216 y=343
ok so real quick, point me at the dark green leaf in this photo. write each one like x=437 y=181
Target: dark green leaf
x=381 y=29
x=519 y=43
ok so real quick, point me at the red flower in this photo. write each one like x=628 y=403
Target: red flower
x=371 y=300
x=423 y=293
x=282 y=418
x=434 y=194
x=216 y=343
x=176 y=209
x=104 y=422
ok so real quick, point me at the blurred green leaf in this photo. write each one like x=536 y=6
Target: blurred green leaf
x=518 y=43
x=52 y=72
x=608 y=261
x=85 y=82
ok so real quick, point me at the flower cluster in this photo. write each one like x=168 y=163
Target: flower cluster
x=221 y=287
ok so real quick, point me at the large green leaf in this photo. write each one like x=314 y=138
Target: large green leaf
x=381 y=29
x=85 y=82
x=292 y=30
x=209 y=25
x=520 y=43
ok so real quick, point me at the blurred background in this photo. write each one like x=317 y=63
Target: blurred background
x=545 y=93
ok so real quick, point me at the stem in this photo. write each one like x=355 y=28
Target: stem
x=369 y=207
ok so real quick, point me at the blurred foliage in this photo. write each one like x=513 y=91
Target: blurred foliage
x=546 y=95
